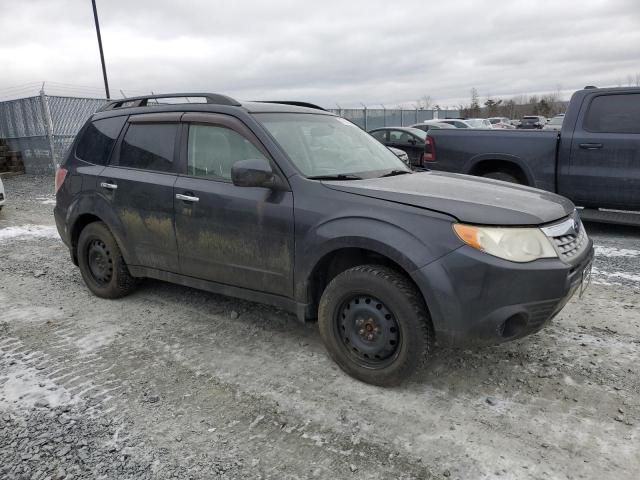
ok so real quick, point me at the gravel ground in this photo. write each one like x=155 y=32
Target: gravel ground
x=173 y=382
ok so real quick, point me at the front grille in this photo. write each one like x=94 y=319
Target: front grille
x=571 y=245
x=569 y=237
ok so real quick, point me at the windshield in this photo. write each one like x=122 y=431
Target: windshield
x=421 y=134
x=324 y=145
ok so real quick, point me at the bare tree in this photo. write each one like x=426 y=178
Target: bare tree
x=424 y=102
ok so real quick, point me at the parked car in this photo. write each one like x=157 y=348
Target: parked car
x=402 y=155
x=554 y=123
x=410 y=140
x=501 y=122
x=531 y=122
x=483 y=123
x=593 y=159
x=2 y=195
x=456 y=122
x=299 y=208
x=431 y=124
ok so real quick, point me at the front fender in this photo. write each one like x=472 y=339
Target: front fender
x=390 y=240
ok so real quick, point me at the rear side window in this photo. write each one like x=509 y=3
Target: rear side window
x=149 y=146
x=98 y=139
x=614 y=114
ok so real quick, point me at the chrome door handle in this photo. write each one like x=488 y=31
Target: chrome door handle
x=187 y=198
x=109 y=186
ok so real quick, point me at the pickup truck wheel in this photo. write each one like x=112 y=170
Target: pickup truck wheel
x=101 y=264
x=504 y=176
x=374 y=324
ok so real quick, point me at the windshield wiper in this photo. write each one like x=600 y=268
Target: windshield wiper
x=393 y=173
x=338 y=176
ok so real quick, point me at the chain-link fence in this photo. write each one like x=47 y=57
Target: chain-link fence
x=370 y=118
x=35 y=132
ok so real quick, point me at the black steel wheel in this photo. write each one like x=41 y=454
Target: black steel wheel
x=101 y=263
x=375 y=324
x=368 y=330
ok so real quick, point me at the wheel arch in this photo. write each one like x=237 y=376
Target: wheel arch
x=342 y=258
x=83 y=218
x=486 y=163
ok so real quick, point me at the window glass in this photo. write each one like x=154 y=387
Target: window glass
x=321 y=145
x=380 y=135
x=213 y=150
x=98 y=140
x=149 y=146
x=614 y=114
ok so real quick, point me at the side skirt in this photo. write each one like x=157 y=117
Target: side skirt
x=299 y=309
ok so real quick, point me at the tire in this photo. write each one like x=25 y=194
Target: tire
x=503 y=176
x=347 y=321
x=101 y=264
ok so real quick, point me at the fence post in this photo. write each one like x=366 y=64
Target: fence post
x=48 y=125
x=416 y=114
x=402 y=117
x=365 y=118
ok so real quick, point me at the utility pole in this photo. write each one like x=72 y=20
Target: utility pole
x=104 y=68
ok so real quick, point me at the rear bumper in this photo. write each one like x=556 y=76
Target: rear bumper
x=475 y=298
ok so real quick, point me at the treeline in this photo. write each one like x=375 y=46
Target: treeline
x=548 y=105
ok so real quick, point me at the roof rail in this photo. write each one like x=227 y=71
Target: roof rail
x=144 y=100
x=294 y=103
x=589 y=87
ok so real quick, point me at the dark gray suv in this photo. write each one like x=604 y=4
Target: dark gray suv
x=287 y=204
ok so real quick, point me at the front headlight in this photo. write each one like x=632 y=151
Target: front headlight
x=514 y=244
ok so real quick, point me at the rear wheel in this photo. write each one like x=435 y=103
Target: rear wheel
x=101 y=264
x=503 y=176
x=375 y=325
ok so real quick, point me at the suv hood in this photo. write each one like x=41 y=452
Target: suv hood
x=469 y=199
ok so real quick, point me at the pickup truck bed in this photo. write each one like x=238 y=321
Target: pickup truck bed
x=594 y=160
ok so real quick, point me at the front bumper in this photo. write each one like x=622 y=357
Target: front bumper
x=475 y=298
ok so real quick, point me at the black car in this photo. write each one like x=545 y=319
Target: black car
x=532 y=122
x=293 y=206
x=411 y=140
x=431 y=125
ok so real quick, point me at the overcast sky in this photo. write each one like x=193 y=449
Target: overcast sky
x=328 y=52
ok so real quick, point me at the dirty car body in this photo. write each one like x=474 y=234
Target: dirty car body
x=263 y=201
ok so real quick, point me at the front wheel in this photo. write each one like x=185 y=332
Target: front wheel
x=375 y=325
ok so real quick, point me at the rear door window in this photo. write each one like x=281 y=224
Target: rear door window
x=614 y=114
x=98 y=139
x=149 y=146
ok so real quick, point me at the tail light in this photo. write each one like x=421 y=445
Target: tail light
x=429 y=154
x=61 y=174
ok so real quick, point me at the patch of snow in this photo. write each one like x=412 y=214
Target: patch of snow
x=96 y=339
x=24 y=387
x=616 y=252
x=632 y=277
x=28 y=231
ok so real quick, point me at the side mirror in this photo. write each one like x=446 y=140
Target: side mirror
x=252 y=173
